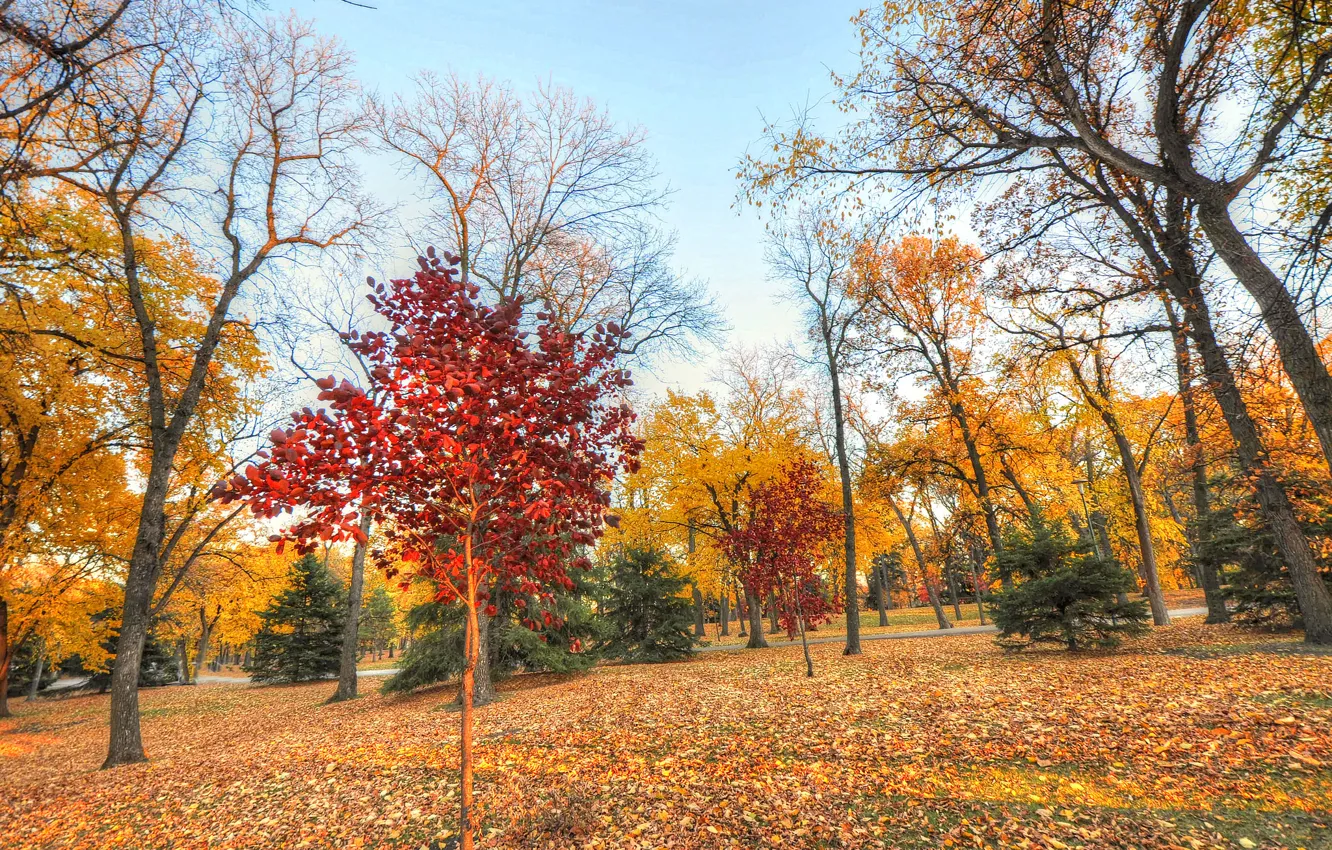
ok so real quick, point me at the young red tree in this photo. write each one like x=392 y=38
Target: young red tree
x=486 y=451
x=788 y=527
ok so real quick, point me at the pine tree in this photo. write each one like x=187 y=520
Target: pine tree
x=378 y=622
x=301 y=636
x=1063 y=593
x=653 y=618
x=565 y=645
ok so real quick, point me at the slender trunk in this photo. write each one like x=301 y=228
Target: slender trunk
x=1098 y=400
x=952 y=587
x=980 y=597
x=1211 y=581
x=804 y=641
x=1142 y=523
x=773 y=626
x=756 y=638
x=933 y=595
x=848 y=505
x=205 y=635
x=471 y=655
x=742 y=610
x=982 y=484
x=881 y=582
x=36 y=683
x=700 y=615
x=724 y=613
x=182 y=660
x=920 y=564
x=351 y=624
x=6 y=658
x=1299 y=356
x=1016 y=483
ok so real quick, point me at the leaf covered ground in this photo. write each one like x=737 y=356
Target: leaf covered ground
x=1193 y=737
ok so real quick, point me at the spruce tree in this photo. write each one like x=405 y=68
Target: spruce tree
x=653 y=619
x=564 y=645
x=301 y=636
x=1063 y=593
x=378 y=626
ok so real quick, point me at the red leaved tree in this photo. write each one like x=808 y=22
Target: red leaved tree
x=779 y=547
x=487 y=449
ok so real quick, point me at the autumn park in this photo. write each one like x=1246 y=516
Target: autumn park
x=567 y=426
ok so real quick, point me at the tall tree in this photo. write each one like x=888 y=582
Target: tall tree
x=924 y=320
x=985 y=89
x=811 y=255
x=549 y=200
x=280 y=109
x=489 y=455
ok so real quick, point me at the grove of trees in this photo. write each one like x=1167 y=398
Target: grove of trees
x=1058 y=266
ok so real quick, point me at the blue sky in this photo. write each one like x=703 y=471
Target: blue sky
x=699 y=77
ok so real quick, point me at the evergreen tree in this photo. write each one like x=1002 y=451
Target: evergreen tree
x=378 y=624
x=301 y=636
x=653 y=619
x=566 y=644
x=1256 y=585
x=1063 y=593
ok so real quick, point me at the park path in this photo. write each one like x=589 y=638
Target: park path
x=207 y=679
x=740 y=647
x=923 y=633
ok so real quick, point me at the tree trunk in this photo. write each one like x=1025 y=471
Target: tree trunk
x=1299 y=356
x=6 y=658
x=36 y=683
x=483 y=692
x=1098 y=400
x=1210 y=580
x=982 y=480
x=741 y=612
x=920 y=564
x=182 y=661
x=804 y=641
x=352 y=623
x=774 y=627
x=126 y=739
x=205 y=635
x=1311 y=593
x=848 y=506
x=881 y=580
x=933 y=595
x=472 y=653
x=724 y=613
x=756 y=638
x=700 y=622
x=952 y=587
x=1141 y=522
x=980 y=597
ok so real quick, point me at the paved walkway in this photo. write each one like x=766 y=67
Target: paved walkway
x=208 y=679
x=925 y=633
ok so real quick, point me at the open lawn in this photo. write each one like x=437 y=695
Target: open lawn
x=907 y=620
x=1193 y=737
